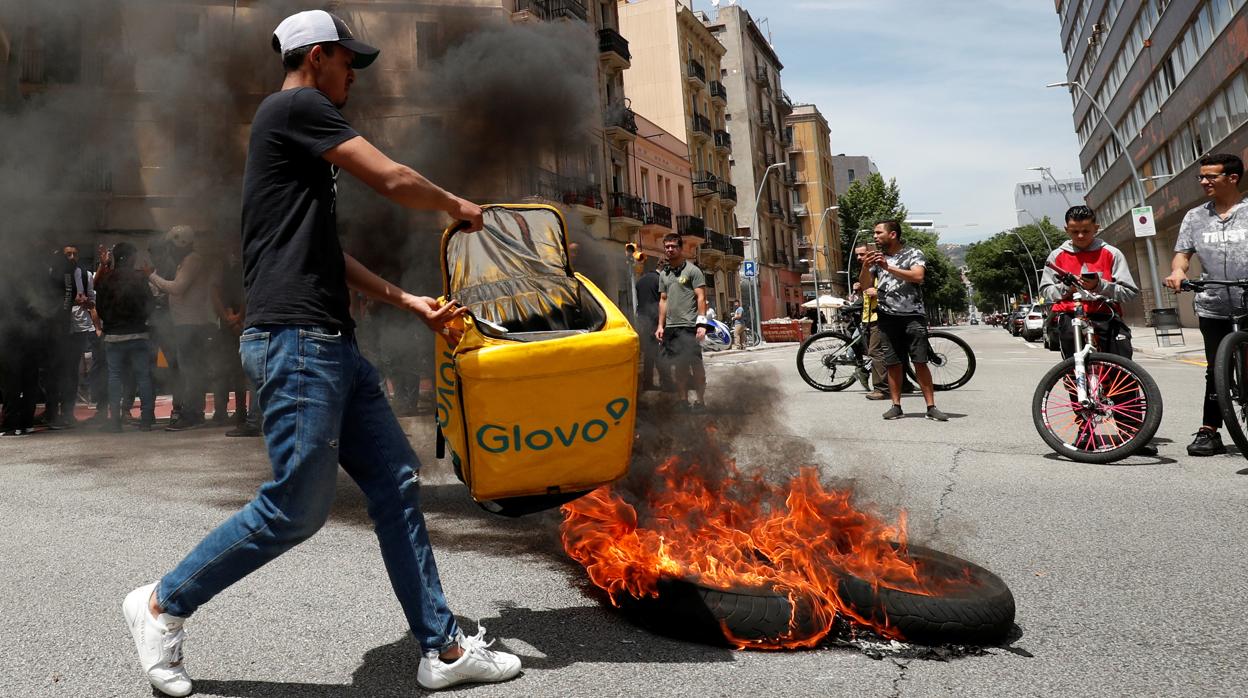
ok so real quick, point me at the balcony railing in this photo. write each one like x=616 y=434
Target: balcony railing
x=790 y=178
x=769 y=159
x=775 y=209
x=723 y=139
x=727 y=191
x=791 y=218
x=657 y=214
x=705 y=182
x=760 y=74
x=701 y=124
x=554 y=9
x=695 y=70
x=620 y=116
x=768 y=122
x=573 y=192
x=786 y=104
x=610 y=41
x=626 y=206
x=690 y=225
x=717 y=241
x=781 y=257
x=718 y=91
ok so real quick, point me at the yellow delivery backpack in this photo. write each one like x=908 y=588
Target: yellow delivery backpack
x=536 y=401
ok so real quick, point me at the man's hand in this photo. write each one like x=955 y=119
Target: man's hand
x=658 y=333
x=1175 y=279
x=701 y=333
x=874 y=259
x=464 y=210
x=439 y=316
x=1089 y=284
x=871 y=292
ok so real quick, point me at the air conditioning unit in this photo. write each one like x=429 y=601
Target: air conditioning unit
x=1098 y=28
x=1094 y=40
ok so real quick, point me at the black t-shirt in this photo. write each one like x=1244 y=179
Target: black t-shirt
x=293 y=269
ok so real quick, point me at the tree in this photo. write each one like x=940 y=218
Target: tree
x=942 y=281
x=866 y=202
x=997 y=265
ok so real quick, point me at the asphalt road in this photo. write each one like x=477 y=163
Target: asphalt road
x=1129 y=578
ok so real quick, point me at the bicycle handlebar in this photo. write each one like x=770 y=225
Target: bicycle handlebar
x=1200 y=284
x=1071 y=280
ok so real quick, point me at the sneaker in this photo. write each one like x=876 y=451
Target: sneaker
x=184 y=423
x=61 y=423
x=243 y=430
x=1206 y=443
x=477 y=665
x=894 y=412
x=18 y=432
x=877 y=395
x=159 y=641
x=935 y=414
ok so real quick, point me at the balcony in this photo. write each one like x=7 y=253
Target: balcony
x=760 y=74
x=620 y=123
x=575 y=192
x=717 y=242
x=705 y=183
x=613 y=49
x=775 y=209
x=718 y=91
x=790 y=219
x=723 y=140
x=656 y=214
x=690 y=225
x=554 y=9
x=786 y=104
x=789 y=178
x=695 y=73
x=727 y=192
x=701 y=126
x=769 y=159
x=768 y=122
x=626 y=206
x=780 y=257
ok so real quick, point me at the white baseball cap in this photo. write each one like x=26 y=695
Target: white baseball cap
x=316 y=27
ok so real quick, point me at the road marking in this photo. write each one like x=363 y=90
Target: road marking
x=1202 y=364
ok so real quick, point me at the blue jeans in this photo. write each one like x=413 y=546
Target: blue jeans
x=133 y=357
x=322 y=406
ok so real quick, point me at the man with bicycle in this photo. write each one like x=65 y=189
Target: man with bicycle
x=1097 y=268
x=1217 y=233
x=896 y=272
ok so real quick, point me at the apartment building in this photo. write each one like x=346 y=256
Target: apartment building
x=1170 y=76
x=819 y=231
x=757 y=107
x=161 y=96
x=675 y=82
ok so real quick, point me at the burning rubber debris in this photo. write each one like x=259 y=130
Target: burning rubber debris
x=706 y=552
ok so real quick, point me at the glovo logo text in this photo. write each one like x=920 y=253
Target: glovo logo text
x=496 y=438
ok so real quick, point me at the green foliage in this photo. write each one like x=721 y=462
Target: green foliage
x=865 y=202
x=999 y=264
x=942 y=282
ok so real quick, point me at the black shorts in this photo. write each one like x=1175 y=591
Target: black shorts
x=681 y=347
x=904 y=337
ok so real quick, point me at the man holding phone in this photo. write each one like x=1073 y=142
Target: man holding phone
x=1100 y=269
x=897 y=272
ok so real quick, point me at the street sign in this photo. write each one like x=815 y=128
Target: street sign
x=1145 y=226
x=749 y=269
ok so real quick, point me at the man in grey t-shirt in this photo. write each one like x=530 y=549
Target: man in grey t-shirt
x=1217 y=233
x=682 y=322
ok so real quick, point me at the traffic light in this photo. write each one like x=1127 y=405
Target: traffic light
x=634 y=253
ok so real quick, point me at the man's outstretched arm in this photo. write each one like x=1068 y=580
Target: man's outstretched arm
x=360 y=278
x=398 y=182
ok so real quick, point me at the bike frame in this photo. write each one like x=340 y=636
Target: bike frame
x=1080 y=324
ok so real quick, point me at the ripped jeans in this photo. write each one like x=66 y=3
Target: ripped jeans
x=323 y=406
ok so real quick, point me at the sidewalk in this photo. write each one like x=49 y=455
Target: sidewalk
x=1191 y=351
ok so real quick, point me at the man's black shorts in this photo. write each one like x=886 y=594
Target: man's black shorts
x=680 y=346
x=904 y=336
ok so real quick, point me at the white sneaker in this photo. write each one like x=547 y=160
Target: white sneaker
x=477 y=665
x=159 y=641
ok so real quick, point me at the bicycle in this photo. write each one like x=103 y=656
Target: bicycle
x=1229 y=366
x=1095 y=407
x=825 y=355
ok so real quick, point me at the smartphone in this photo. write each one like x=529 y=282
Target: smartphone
x=1091 y=276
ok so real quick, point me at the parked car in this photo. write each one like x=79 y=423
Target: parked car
x=1033 y=324
x=1016 y=320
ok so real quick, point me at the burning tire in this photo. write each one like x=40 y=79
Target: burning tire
x=977 y=610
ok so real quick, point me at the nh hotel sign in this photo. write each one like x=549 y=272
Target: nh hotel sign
x=1047 y=198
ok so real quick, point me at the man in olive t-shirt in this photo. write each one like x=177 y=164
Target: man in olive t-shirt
x=682 y=322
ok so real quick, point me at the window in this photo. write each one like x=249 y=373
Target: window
x=851 y=174
x=426 y=42
x=645 y=184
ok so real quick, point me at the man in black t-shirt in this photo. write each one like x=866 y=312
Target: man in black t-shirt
x=321 y=401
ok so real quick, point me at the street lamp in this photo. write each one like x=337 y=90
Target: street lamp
x=1135 y=179
x=1046 y=172
x=826 y=248
x=849 y=258
x=1026 y=276
x=1039 y=226
x=1028 y=249
x=814 y=268
x=755 y=239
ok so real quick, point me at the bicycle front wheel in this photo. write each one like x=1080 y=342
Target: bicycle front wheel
x=950 y=360
x=1120 y=416
x=1230 y=380
x=828 y=361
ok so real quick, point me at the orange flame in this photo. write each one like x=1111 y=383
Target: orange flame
x=730 y=531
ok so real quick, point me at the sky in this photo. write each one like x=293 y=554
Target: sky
x=946 y=96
